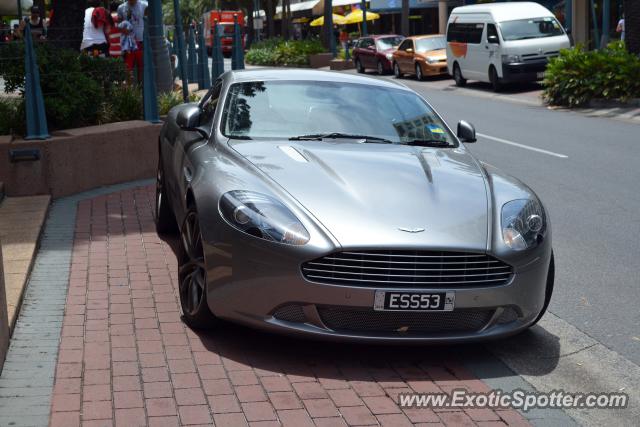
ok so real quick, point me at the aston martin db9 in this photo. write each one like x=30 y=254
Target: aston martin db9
x=343 y=207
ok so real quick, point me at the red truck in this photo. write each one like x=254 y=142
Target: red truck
x=225 y=28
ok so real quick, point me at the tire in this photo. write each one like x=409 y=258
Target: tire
x=380 y=68
x=419 y=75
x=192 y=275
x=496 y=85
x=359 y=67
x=396 y=71
x=163 y=214
x=548 y=290
x=457 y=76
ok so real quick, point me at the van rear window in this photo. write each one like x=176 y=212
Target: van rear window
x=465 y=32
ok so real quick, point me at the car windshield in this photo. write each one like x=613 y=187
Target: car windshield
x=432 y=43
x=534 y=28
x=388 y=42
x=289 y=109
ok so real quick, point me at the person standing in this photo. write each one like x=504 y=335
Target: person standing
x=37 y=24
x=115 y=33
x=133 y=12
x=94 y=40
x=620 y=27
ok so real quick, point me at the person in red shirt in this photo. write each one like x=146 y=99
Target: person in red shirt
x=113 y=37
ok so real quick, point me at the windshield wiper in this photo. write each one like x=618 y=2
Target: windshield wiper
x=336 y=135
x=427 y=143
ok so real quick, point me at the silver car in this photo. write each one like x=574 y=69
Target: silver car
x=343 y=207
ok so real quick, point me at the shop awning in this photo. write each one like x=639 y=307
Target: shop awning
x=299 y=7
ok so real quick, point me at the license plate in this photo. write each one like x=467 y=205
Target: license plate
x=413 y=301
x=540 y=75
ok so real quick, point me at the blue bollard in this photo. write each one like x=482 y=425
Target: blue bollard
x=192 y=66
x=34 y=102
x=182 y=57
x=204 y=60
x=237 y=55
x=216 y=53
x=149 y=92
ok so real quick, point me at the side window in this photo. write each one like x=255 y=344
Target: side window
x=465 y=33
x=366 y=43
x=209 y=104
x=403 y=45
x=492 y=31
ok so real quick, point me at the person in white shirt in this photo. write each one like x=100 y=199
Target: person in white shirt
x=94 y=40
x=620 y=28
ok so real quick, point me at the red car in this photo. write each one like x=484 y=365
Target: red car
x=376 y=52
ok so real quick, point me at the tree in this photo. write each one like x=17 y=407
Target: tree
x=65 y=29
x=404 y=23
x=327 y=32
x=632 y=25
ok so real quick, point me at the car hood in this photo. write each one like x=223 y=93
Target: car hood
x=364 y=194
x=438 y=54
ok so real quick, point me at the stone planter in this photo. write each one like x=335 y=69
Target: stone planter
x=341 y=64
x=320 y=60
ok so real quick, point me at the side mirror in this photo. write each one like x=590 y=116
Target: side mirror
x=188 y=119
x=493 y=39
x=466 y=132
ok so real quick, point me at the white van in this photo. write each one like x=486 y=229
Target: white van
x=502 y=42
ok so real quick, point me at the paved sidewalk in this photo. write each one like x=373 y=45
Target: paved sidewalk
x=126 y=359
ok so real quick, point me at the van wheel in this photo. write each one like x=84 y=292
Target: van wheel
x=359 y=67
x=396 y=71
x=457 y=76
x=419 y=75
x=496 y=84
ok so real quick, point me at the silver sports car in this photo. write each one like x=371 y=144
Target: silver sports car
x=343 y=207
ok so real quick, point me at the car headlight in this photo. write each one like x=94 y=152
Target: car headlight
x=262 y=216
x=432 y=60
x=389 y=56
x=522 y=222
x=509 y=59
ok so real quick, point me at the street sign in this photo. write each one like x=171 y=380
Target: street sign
x=258 y=23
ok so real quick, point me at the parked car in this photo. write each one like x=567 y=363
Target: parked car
x=375 y=52
x=421 y=56
x=343 y=207
x=502 y=42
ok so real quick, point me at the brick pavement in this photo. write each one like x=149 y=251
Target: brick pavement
x=126 y=359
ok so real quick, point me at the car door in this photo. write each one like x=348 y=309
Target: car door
x=492 y=47
x=190 y=141
x=477 y=57
x=367 y=53
x=405 y=56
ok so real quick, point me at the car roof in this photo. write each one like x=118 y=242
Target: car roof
x=505 y=11
x=380 y=36
x=266 y=74
x=425 y=36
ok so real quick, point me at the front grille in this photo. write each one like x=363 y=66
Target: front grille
x=354 y=319
x=290 y=313
x=408 y=269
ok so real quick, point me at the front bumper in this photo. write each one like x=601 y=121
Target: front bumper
x=523 y=71
x=264 y=288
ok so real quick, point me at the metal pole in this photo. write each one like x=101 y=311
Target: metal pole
x=363 y=5
x=606 y=18
x=256 y=15
x=237 y=55
x=34 y=102
x=192 y=62
x=596 y=32
x=149 y=92
x=568 y=15
x=204 y=60
x=19 y=11
x=182 y=58
x=216 y=54
x=332 y=36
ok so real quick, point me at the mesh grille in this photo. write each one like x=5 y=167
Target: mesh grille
x=365 y=319
x=290 y=313
x=408 y=269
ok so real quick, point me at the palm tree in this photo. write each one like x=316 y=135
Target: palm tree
x=632 y=25
x=404 y=23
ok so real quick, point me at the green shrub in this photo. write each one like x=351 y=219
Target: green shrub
x=577 y=76
x=168 y=100
x=12 y=119
x=278 y=52
x=125 y=103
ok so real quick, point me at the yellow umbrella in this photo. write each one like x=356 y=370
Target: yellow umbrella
x=355 y=16
x=337 y=20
